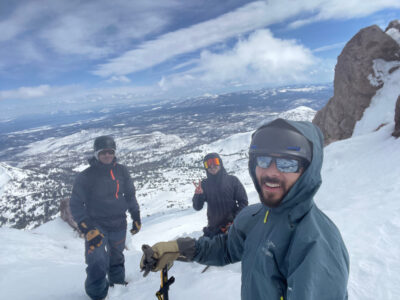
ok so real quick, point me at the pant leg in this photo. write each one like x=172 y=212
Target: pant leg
x=96 y=284
x=116 y=246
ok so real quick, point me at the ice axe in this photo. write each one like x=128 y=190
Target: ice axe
x=162 y=293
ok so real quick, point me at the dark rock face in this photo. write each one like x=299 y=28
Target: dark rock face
x=65 y=214
x=352 y=88
x=396 y=132
x=393 y=24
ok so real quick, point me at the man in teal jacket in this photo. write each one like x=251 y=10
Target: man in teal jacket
x=289 y=249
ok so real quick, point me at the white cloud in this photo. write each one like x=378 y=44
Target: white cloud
x=259 y=59
x=19 y=20
x=329 y=47
x=93 y=29
x=122 y=79
x=45 y=92
x=96 y=35
x=150 y=53
x=343 y=9
x=100 y=29
x=246 y=19
x=26 y=92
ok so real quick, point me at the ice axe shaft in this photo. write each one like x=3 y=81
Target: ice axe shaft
x=162 y=293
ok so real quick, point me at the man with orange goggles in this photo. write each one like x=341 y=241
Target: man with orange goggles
x=224 y=194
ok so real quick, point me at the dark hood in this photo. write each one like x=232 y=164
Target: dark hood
x=299 y=199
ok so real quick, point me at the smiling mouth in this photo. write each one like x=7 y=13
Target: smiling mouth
x=272 y=185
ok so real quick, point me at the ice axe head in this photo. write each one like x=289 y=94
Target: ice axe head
x=148 y=262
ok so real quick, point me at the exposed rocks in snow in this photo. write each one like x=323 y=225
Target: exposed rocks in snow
x=396 y=132
x=65 y=214
x=353 y=87
x=394 y=33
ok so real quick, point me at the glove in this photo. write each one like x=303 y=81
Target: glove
x=94 y=238
x=92 y=235
x=155 y=258
x=135 y=227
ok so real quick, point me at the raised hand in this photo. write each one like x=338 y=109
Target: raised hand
x=198 y=189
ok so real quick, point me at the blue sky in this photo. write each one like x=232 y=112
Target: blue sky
x=58 y=54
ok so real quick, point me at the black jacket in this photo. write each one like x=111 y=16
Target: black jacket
x=225 y=197
x=102 y=194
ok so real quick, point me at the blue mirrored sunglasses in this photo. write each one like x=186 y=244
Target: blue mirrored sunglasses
x=284 y=165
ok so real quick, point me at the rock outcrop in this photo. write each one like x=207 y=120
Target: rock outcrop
x=353 y=89
x=393 y=24
x=65 y=214
x=396 y=132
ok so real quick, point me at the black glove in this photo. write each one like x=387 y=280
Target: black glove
x=92 y=235
x=136 y=225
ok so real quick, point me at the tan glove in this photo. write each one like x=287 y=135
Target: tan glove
x=155 y=258
x=94 y=238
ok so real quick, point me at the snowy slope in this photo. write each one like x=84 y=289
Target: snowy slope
x=17 y=184
x=4 y=178
x=359 y=193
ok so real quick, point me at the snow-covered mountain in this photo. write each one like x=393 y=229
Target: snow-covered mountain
x=4 y=177
x=162 y=144
x=359 y=193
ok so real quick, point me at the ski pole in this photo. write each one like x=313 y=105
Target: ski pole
x=162 y=293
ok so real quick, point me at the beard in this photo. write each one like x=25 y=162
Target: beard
x=272 y=199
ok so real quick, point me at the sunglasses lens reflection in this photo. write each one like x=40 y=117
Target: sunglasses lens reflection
x=284 y=165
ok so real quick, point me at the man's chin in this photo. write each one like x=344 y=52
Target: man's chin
x=269 y=201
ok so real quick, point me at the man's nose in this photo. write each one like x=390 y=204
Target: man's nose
x=271 y=170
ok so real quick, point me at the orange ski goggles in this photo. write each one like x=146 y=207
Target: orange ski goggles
x=212 y=162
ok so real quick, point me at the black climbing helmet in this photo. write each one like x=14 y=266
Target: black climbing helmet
x=280 y=138
x=104 y=142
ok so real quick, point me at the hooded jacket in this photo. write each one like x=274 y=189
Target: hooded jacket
x=224 y=194
x=102 y=194
x=293 y=251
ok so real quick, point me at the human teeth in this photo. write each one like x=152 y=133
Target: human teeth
x=273 y=185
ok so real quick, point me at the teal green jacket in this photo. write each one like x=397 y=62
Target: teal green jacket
x=290 y=252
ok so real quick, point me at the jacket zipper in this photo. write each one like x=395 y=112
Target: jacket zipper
x=113 y=178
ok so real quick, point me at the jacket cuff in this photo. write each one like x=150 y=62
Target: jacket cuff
x=135 y=215
x=85 y=226
x=187 y=247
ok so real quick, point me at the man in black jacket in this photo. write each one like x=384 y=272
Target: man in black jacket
x=101 y=195
x=224 y=194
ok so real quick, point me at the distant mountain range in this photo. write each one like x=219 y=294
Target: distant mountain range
x=40 y=156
